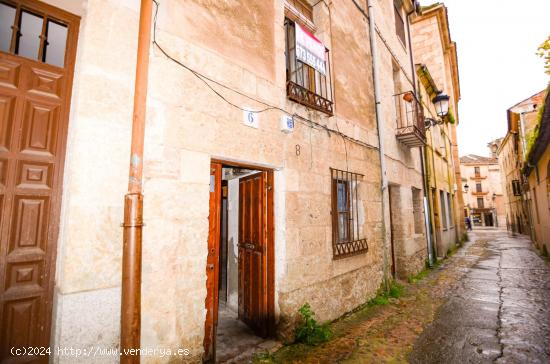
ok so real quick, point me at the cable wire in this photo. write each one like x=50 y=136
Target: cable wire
x=205 y=79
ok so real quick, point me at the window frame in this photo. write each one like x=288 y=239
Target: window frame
x=418 y=210
x=399 y=24
x=46 y=17
x=444 y=210
x=479 y=187
x=450 y=212
x=313 y=92
x=351 y=242
x=482 y=205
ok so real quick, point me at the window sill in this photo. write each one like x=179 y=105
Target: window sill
x=348 y=249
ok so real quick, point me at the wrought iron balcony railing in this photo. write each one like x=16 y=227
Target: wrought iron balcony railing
x=409 y=119
x=306 y=85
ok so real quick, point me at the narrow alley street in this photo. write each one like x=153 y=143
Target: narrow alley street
x=499 y=311
x=487 y=303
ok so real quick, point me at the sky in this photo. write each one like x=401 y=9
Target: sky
x=498 y=67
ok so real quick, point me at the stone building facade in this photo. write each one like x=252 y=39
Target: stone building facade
x=437 y=71
x=234 y=100
x=484 y=198
x=537 y=172
x=511 y=154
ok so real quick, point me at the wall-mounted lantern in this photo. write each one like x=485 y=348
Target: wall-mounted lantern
x=441 y=104
x=466 y=187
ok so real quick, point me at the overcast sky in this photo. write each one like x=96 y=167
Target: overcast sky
x=498 y=67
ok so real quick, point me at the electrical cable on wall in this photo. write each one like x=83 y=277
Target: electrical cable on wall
x=205 y=79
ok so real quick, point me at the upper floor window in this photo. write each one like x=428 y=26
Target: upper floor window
x=516 y=187
x=399 y=23
x=478 y=187
x=347 y=233
x=477 y=172
x=307 y=68
x=480 y=203
x=32 y=35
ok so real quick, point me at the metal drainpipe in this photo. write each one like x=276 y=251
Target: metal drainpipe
x=130 y=311
x=380 y=127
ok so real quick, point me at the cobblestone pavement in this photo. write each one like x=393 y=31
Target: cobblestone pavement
x=499 y=311
x=487 y=303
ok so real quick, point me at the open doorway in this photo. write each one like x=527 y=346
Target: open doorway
x=240 y=265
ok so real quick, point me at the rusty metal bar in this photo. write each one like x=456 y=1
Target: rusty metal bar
x=130 y=315
x=357 y=206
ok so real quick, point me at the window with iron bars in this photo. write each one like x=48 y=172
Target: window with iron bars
x=347 y=233
x=516 y=187
x=480 y=203
x=32 y=34
x=306 y=85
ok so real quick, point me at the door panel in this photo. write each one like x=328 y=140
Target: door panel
x=212 y=264
x=34 y=105
x=253 y=252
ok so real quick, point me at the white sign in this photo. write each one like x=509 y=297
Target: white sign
x=310 y=50
x=287 y=124
x=251 y=118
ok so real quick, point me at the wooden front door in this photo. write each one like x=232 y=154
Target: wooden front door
x=253 y=295
x=212 y=264
x=392 y=232
x=37 y=51
x=256 y=256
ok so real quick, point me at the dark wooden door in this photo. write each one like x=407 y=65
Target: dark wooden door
x=34 y=107
x=253 y=297
x=212 y=264
x=392 y=233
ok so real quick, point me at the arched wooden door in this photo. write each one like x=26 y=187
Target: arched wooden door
x=37 y=52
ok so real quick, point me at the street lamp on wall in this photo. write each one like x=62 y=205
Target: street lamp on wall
x=441 y=104
x=466 y=187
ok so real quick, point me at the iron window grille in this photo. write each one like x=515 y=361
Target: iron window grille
x=304 y=84
x=32 y=34
x=516 y=187
x=480 y=203
x=347 y=233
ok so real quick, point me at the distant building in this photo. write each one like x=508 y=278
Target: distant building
x=484 y=200
x=537 y=172
x=437 y=70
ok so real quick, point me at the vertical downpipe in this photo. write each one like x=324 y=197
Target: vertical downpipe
x=380 y=127
x=130 y=312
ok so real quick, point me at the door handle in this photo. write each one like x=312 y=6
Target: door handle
x=248 y=246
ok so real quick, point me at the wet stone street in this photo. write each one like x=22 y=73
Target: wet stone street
x=488 y=303
x=499 y=311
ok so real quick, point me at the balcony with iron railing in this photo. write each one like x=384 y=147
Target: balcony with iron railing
x=410 y=120
x=304 y=84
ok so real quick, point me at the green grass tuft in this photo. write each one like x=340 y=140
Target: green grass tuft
x=310 y=332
